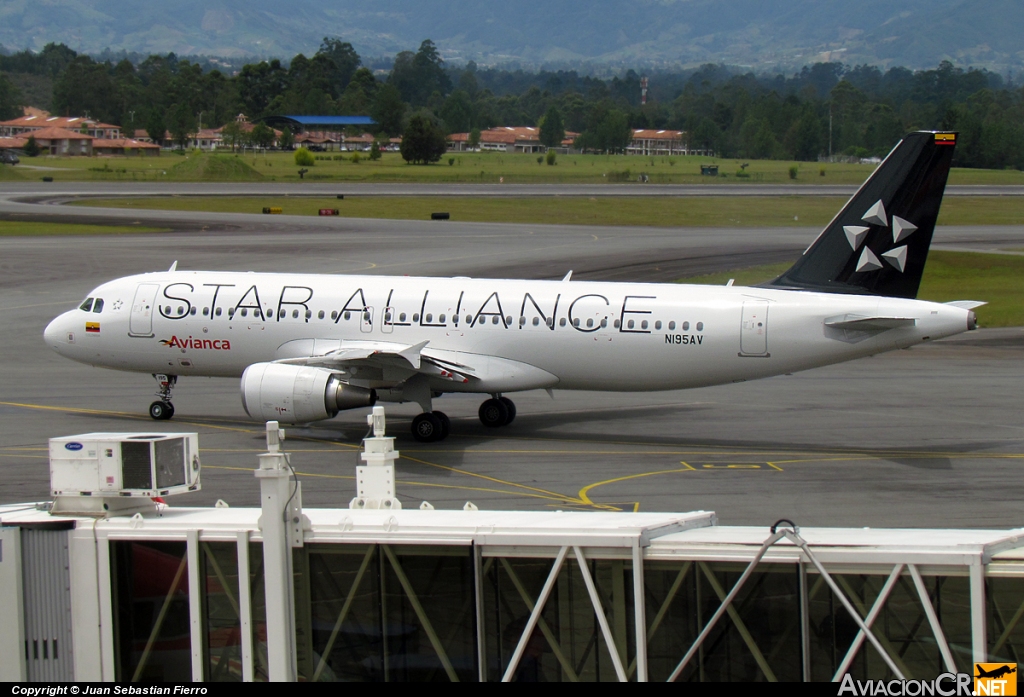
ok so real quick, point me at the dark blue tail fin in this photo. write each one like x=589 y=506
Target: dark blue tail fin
x=879 y=242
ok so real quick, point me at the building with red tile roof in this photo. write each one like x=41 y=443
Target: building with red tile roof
x=507 y=139
x=60 y=141
x=123 y=146
x=648 y=141
x=40 y=121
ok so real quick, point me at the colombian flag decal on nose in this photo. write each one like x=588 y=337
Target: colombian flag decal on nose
x=92 y=327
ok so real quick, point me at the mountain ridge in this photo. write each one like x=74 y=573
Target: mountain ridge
x=755 y=33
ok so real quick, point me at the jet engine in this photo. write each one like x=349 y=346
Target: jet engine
x=297 y=394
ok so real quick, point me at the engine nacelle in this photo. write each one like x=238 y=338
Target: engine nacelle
x=297 y=394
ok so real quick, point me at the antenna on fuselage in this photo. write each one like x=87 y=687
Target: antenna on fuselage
x=174 y=266
x=567 y=276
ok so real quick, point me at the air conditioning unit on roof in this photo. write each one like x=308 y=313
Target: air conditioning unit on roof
x=103 y=473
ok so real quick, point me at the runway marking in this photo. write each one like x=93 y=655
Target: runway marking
x=584 y=493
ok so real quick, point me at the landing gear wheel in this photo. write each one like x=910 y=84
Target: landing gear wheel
x=426 y=428
x=446 y=424
x=161 y=411
x=493 y=413
x=511 y=406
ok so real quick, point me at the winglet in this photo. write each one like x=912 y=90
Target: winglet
x=567 y=276
x=412 y=354
x=174 y=266
x=967 y=304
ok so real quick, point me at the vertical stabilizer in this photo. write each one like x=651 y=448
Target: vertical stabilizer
x=878 y=243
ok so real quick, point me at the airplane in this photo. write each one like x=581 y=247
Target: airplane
x=995 y=672
x=309 y=346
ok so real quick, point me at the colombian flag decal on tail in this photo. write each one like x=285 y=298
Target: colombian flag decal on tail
x=945 y=138
x=92 y=327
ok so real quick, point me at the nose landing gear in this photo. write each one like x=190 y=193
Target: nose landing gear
x=162 y=409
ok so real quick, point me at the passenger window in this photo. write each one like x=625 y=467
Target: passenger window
x=310 y=314
x=616 y=324
x=97 y=307
x=536 y=321
x=672 y=325
x=630 y=324
x=86 y=306
x=604 y=323
x=494 y=320
x=643 y=325
x=440 y=319
x=686 y=325
x=218 y=311
x=348 y=316
x=469 y=319
x=401 y=317
x=429 y=317
x=576 y=323
x=295 y=314
x=522 y=321
x=415 y=317
x=657 y=325
x=561 y=322
x=320 y=315
x=206 y=311
x=366 y=316
x=181 y=309
x=590 y=323
x=167 y=310
x=387 y=316
x=244 y=312
x=192 y=312
x=508 y=320
x=700 y=326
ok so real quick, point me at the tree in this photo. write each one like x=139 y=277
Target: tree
x=287 y=140
x=457 y=112
x=552 y=131
x=85 y=87
x=474 y=139
x=232 y=134
x=262 y=135
x=10 y=99
x=344 y=61
x=375 y=150
x=183 y=125
x=388 y=109
x=32 y=148
x=423 y=141
x=156 y=127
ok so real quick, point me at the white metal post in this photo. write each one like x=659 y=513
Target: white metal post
x=276 y=492
x=12 y=612
x=195 y=604
x=639 y=612
x=979 y=630
x=245 y=605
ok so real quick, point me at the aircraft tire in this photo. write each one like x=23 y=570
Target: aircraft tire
x=426 y=428
x=511 y=406
x=493 y=413
x=446 y=424
x=161 y=411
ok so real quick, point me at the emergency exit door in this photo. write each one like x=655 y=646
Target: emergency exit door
x=141 y=322
x=754 y=329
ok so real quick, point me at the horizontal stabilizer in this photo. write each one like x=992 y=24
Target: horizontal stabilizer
x=869 y=324
x=967 y=304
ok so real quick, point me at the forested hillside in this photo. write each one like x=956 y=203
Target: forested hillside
x=827 y=108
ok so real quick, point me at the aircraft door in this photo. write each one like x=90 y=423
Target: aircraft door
x=141 y=321
x=366 y=320
x=387 y=324
x=754 y=329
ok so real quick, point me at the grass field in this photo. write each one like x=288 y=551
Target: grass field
x=994 y=278
x=740 y=211
x=466 y=167
x=13 y=228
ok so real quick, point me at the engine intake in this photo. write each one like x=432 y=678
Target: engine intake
x=297 y=394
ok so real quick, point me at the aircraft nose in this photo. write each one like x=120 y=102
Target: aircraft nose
x=58 y=333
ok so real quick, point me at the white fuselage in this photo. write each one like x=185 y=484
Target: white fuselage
x=578 y=335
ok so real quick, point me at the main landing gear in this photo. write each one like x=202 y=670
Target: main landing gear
x=433 y=426
x=162 y=409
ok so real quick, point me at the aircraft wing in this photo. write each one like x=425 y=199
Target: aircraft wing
x=868 y=324
x=394 y=362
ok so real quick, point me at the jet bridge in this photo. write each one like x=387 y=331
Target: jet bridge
x=373 y=592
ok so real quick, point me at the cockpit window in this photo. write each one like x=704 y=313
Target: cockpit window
x=86 y=306
x=98 y=305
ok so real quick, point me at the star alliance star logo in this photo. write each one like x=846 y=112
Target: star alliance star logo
x=901 y=230
x=117 y=304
